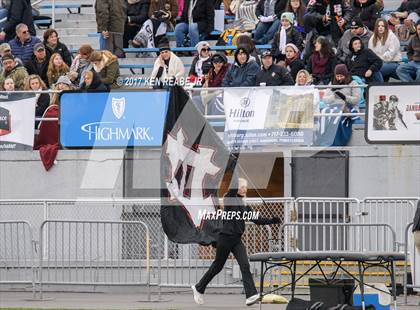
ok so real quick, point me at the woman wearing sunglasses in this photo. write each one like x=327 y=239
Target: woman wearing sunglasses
x=201 y=64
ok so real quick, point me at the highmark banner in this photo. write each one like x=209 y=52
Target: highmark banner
x=115 y=119
x=267 y=116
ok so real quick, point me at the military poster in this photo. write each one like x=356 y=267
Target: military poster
x=393 y=114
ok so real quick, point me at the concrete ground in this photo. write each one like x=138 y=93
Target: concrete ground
x=176 y=300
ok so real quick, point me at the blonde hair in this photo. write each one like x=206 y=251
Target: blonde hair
x=34 y=77
x=53 y=74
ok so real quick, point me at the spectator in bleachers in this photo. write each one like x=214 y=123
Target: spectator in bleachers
x=39 y=62
x=293 y=62
x=271 y=74
x=14 y=70
x=286 y=34
x=363 y=62
x=23 y=45
x=3 y=15
x=244 y=70
x=304 y=78
x=408 y=13
x=92 y=81
x=327 y=17
x=367 y=10
x=298 y=8
x=346 y=98
x=322 y=62
x=168 y=66
x=81 y=63
x=268 y=13
x=218 y=71
x=357 y=29
x=110 y=17
x=168 y=7
x=34 y=83
x=106 y=65
x=8 y=85
x=137 y=14
x=6 y=49
x=18 y=11
x=53 y=45
x=196 y=21
x=386 y=45
x=201 y=63
x=409 y=72
x=56 y=68
x=244 y=40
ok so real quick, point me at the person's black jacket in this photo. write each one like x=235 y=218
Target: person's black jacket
x=368 y=13
x=279 y=8
x=410 y=6
x=137 y=13
x=96 y=84
x=274 y=76
x=416 y=221
x=236 y=227
x=319 y=8
x=33 y=68
x=292 y=36
x=42 y=104
x=203 y=15
x=295 y=66
x=60 y=49
x=362 y=61
x=207 y=65
x=19 y=11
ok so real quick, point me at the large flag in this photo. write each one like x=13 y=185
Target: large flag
x=193 y=163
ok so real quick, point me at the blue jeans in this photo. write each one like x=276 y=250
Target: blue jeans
x=182 y=29
x=389 y=69
x=3 y=14
x=266 y=31
x=377 y=77
x=409 y=72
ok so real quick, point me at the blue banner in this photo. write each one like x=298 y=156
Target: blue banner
x=116 y=119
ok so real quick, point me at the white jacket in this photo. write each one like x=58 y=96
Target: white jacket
x=390 y=51
x=175 y=69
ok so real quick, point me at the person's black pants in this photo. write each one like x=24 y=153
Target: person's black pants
x=225 y=245
x=130 y=32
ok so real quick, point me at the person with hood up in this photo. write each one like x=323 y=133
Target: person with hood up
x=322 y=62
x=409 y=72
x=347 y=98
x=137 y=14
x=92 y=81
x=53 y=45
x=218 y=71
x=357 y=29
x=293 y=62
x=13 y=70
x=367 y=10
x=271 y=74
x=243 y=72
x=286 y=34
x=168 y=66
x=201 y=63
x=268 y=13
x=106 y=65
x=304 y=78
x=363 y=62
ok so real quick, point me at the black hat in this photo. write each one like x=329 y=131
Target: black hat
x=217 y=58
x=164 y=45
x=356 y=23
x=266 y=53
x=7 y=57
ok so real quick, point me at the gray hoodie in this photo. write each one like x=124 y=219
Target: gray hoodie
x=343 y=45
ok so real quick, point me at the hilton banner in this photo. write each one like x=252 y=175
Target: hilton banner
x=266 y=116
x=17 y=122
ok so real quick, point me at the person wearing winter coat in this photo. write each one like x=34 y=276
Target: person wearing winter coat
x=386 y=45
x=271 y=74
x=363 y=62
x=106 y=65
x=268 y=13
x=357 y=29
x=304 y=78
x=218 y=71
x=286 y=34
x=92 y=81
x=23 y=44
x=34 y=83
x=367 y=10
x=38 y=64
x=19 y=12
x=408 y=13
x=346 y=98
x=167 y=68
x=110 y=18
x=409 y=72
x=81 y=63
x=322 y=62
x=137 y=14
x=13 y=70
x=197 y=20
x=56 y=68
x=293 y=62
x=243 y=72
x=170 y=7
x=201 y=63
x=53 y=45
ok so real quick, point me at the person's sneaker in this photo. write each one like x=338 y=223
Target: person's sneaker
x=252 y=300
x=198 y=297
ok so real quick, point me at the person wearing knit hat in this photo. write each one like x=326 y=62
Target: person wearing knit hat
x=286 y=34
x=243 y=72
x=293 y=62
x=268 y=13
x=201 y=63
x=218 y=71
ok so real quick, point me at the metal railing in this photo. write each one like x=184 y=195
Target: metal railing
x=410 y=253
